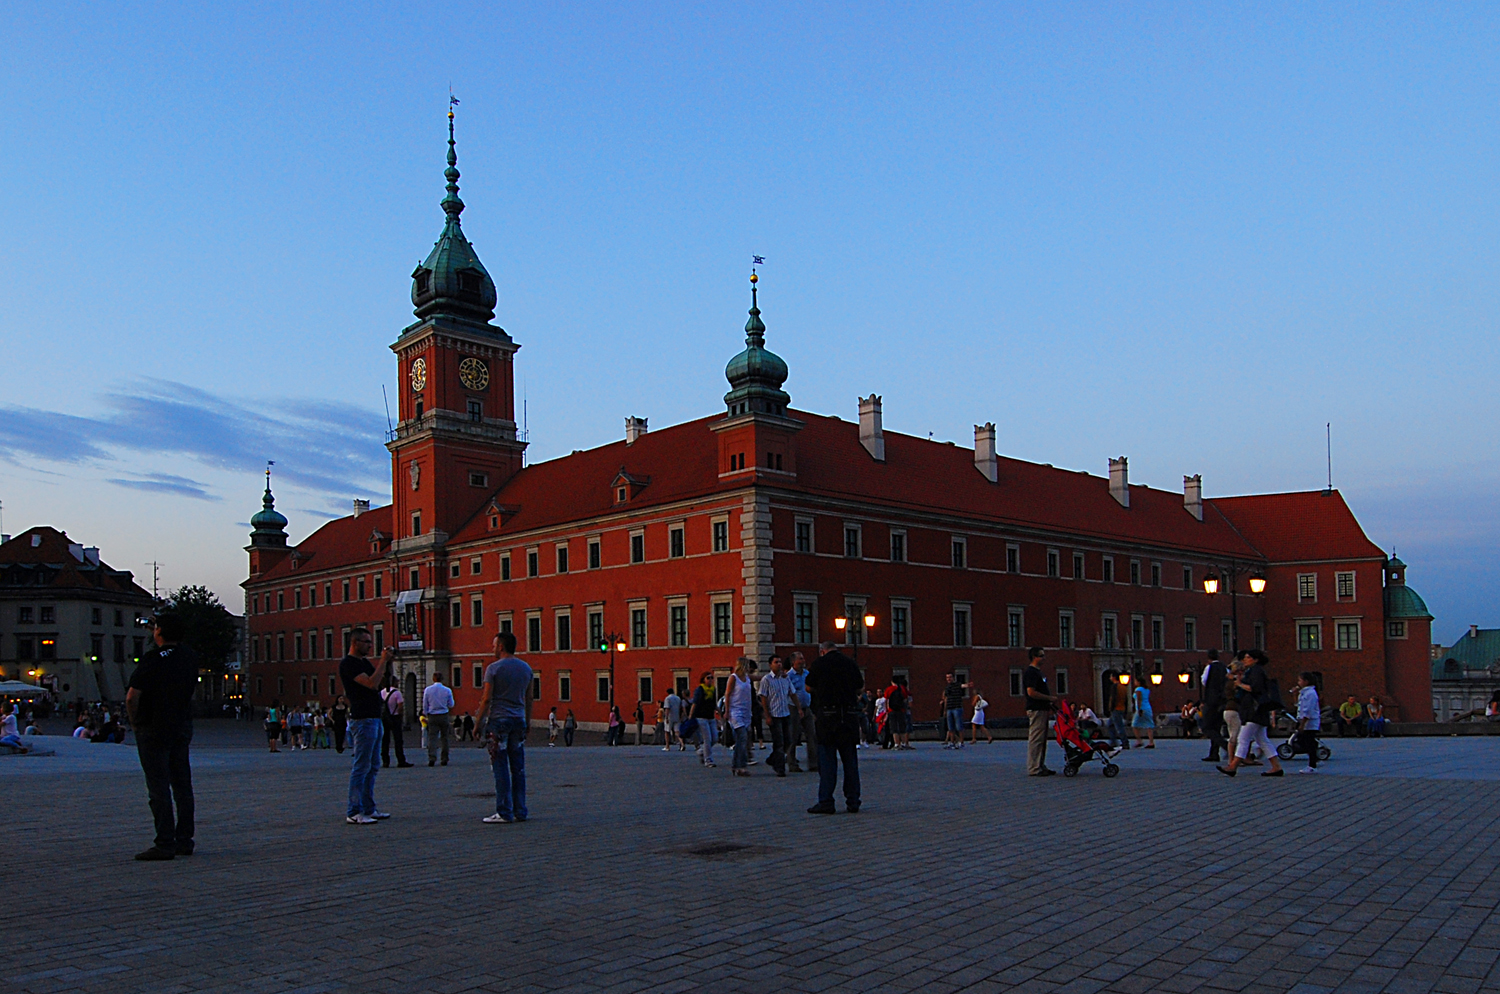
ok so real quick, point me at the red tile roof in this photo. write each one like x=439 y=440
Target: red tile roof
x=342 y=542
x=918 y=475
x=68 y=569
x=1301 y=526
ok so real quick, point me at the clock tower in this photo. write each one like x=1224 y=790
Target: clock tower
x=456 y=440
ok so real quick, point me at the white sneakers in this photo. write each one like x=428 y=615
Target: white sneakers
x=1307 y=769
x=497 y=819
x=359 y=820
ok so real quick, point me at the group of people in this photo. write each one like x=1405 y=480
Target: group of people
x=821 y=707
x=1239 y=708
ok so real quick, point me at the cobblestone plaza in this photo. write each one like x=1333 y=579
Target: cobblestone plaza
x=639 y=870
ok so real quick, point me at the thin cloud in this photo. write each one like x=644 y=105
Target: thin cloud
x=164 y=483
x=326 y=447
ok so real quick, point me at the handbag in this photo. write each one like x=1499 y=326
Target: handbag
x=688 y=728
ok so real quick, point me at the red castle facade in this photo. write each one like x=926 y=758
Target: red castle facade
x=751 y=531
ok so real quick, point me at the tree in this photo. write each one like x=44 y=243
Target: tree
x=208 y=626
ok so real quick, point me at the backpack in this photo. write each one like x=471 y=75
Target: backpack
x=896 y=699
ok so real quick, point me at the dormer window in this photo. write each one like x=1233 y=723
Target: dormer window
x=424 y=280
x=622 y=494
x=470 y=281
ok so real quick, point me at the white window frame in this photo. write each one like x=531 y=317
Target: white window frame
x=1316 y=624
x=713 y=608
x=1397 y=628
x=476 y=565
x=966 y=610
x=1054 y=563
x=958 y=551
x=900 y=534
x=812 y=535
x=1080 y=566
x=1308 y=580
x=631 y=607
x=1107 y=571
x=1190 y=634
x=677 y=530
x=1109 y=630
x=713 y=528
x=811 y=602
x=897 y=604
x=560 y=552
x=561 y=620
x=1071 y=628
x=675 y=604
x=537 y=617
x=637 y=533
x=859 y=540
x=1338 y=625
x=1013 y=558
x=565 y=694
x=1013 y=611
x=1338 y=586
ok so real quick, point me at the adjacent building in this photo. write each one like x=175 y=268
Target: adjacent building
x=763 y=529
x=1466 y=675
x=67 y=620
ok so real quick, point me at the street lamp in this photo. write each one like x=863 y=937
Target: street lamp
x=1231 y=572
x=1156 y=679
x=842 y=624
x=1183 y=676
x=1124 y=679
x=612 y=643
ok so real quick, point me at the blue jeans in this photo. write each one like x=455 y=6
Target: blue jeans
x=1117 y=728
x=509 y=765
x=705 y=735
x=829 y=757
x=955 y=721
x=741 y=748
x=364 y=738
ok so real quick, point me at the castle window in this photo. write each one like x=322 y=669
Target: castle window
x=469 y=281
x=852 y=541
x=1395 y=629
x=594 y=554
x=621 y=494
x=638 y=547
x=1344 y=586
x=416 y=526
x=804 y=529
x=424 y=280
x=1053 y=568
x=721 y=535
x=898 y=547
x=476 y=410
x=677 y=542
x=478 y=479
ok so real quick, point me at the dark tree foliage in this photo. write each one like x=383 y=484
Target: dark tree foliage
x=208 y=624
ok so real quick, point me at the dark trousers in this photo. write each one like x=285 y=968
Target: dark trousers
x=391 y=724
x=781 y=737
x=169 y=778
x=339 y=731
x=804 y=729
x=1307 y=741
x=1211 y=721
x=829 y=757
x=568 y=735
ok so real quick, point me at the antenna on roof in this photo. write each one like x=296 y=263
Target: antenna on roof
x=1328 y=432
x=388 y=429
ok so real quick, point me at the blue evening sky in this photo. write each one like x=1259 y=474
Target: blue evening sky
x=1191 y=234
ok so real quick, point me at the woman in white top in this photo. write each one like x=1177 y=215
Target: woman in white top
x=552 y=728
x=737 y=707
x=976 y=724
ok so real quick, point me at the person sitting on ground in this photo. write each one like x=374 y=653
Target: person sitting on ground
x=1351 y=717
x=31 y=728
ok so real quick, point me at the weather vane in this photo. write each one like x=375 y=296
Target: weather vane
x=452 y=102
x=756 y=260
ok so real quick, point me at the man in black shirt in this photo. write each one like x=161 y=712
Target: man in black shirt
x=360 y=678
x=1211 y=709
x=953 y=712
x=835 y=682
x=1039 y=703
x=159 y=704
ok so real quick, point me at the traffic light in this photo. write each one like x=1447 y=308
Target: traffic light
x=604 y=646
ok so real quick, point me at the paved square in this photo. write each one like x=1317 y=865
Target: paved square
x=961 y=874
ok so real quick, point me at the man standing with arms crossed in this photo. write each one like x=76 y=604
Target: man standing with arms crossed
x=360 y=679
x=159 y=704
x=505 y=709
x=953 y=712
x=437 y=705
x=1039 y=703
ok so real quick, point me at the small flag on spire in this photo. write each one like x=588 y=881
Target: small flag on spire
x=757 y=260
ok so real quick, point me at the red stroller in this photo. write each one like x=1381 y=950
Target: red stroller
x=1080 y=742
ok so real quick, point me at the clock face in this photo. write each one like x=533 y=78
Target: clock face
x=419 y=374
x=473 y=374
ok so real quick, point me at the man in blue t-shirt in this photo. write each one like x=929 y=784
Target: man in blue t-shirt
x=505 y=709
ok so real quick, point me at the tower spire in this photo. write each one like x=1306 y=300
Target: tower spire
x=452 y=206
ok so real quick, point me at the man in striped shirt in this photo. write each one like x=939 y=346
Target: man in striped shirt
x=775 y=692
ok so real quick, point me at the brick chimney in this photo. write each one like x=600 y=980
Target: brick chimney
x=871 y=435
x=634 y=429
x=1119 y=480
x=985 y=459
x=1192 y=495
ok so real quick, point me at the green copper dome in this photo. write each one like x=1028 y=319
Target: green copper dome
x=756 y=374
x=452 y=280
x=1403 y=602
x=268 y=524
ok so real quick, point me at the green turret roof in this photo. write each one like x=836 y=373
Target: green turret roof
x=756 y=374
x=268 y=524
x=1477 y=651
x=452 y=281
x=1403 y=602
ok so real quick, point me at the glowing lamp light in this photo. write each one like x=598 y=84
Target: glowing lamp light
x=1184 y=677
x=840 y=623
x=1156 y=678
x=620 y=646
x=1124 y=679
x=869 y=621
x=1211 y=583
x=1257 y=583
